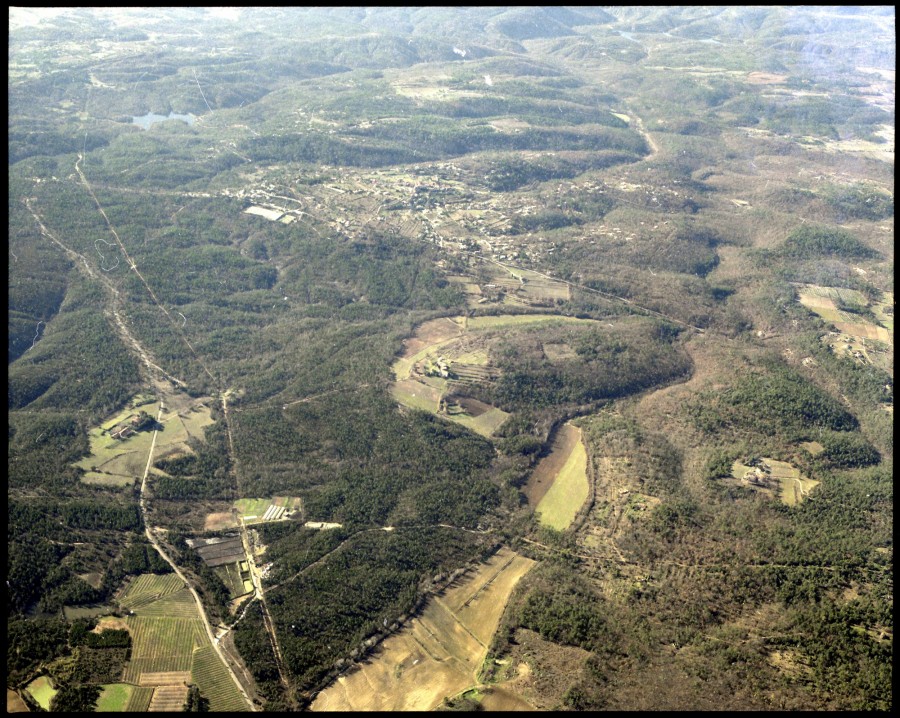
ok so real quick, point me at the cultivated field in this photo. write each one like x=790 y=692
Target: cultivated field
x=14 y=702
x=140 y=698
x=277 y=508
x=168 y=698
x=114 y=697
x=162 y=644
x=559 y=485
x=438 y=653
x=209 y=674
x=143 y=590
x=42 y=691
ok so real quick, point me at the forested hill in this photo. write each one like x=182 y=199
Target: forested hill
x=333 y=307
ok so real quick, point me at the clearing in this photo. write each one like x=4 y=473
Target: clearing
x=445 y=355
x=119 y=454
x=559 y=485
x=767 y=474
x=42 y=691
x=438 y=653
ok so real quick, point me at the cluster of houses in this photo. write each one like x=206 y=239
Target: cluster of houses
x=126 y=428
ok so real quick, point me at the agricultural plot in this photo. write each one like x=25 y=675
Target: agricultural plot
x=568 y=487
x=234 y=579
x=14 y=702
x=438 y=653
x=254 y=511
x=42 y=690
x=114 y=697
x=148 y=588
x=826 y=302
x=140 y=698
x=169 y=698
x=777 y=476
x=210 y=675
x=121 y=461
x=161 y=644
x=218 y=550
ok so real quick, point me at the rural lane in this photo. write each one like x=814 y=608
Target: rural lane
x=152 y=539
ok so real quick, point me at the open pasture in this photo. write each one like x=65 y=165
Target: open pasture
x=826 y=302
x=114 y=697
x=517 y=320
x=548 y=468
x=569 y=488
x=115 y=480
x=42 y=691
x=119 y=462
x=773 y=475
x=438 y=653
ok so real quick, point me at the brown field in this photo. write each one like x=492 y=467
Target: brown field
x=549 y=467
x=168 y=699
x=765 y=78
x=218 y=521
x=438 y=653
x=14 y=702
x=501 y=699
x=165 y=678
x=110 y=622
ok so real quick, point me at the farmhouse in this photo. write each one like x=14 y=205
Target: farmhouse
x=126 y=428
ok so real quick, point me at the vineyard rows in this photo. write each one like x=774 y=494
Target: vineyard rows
x=212 y=678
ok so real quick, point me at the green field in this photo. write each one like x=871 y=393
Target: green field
x=214 y=682
x=114 y=697
x=96 y=479
x=518 y=320
x=139 y=700
x=231 y=577
x=42 y=691
x=568 y=493
x=486 y=424
x=252 y=507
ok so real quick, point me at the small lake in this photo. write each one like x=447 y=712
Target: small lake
x=144 y=121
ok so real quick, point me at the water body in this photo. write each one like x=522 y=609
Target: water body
x=144 y=121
